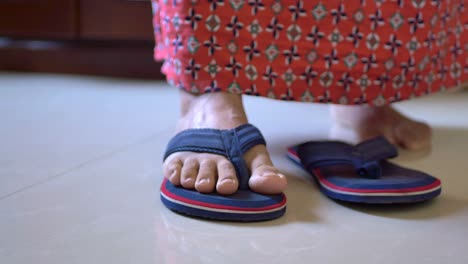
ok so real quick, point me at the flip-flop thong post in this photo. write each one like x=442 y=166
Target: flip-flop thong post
x=245 y=205
x=362 y=173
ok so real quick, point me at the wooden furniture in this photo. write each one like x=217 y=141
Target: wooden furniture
x=99 y=37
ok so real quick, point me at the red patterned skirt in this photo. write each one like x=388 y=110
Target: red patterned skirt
x=347 y=52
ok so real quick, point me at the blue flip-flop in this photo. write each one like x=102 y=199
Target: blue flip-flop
x=245 y=205
x=362 y=173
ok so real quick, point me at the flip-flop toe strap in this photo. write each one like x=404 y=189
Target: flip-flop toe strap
x=365 y=157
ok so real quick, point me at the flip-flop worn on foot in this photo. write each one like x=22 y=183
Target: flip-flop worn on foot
x=244 y=205
x=362 y=173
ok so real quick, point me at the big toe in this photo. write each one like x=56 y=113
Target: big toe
x=267 y=179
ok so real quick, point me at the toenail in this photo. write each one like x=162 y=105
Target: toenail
x=172 y=178
x=188 y=180
x=227 y=181
x=273 y=175
x=204 y=181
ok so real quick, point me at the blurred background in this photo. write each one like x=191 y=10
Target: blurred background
x=105 y=37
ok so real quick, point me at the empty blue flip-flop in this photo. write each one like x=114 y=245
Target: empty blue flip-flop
x=245 y=205
x=362 y=173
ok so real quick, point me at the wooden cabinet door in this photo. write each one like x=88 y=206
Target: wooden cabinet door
x=116 y=19
x=38 y=18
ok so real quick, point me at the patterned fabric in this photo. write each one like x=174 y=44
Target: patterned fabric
x=347 y=52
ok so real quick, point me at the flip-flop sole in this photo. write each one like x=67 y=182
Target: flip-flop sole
x=243 y=206
x=373 y=192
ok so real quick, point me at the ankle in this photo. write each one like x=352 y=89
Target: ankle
x=357 y=116
x=219 y=101
x=216 y=110
x=186 y=100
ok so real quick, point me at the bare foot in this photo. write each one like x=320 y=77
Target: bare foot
x=358 y=123
x=207 y=172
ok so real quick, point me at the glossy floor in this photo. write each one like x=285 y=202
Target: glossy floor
x=80 y=168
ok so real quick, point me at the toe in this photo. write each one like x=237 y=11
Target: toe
x=268 y=180
x=206 y=178
x=189 y=173
x=265 y=177
x=227 y=183
x=172 y=170
x=413 y=135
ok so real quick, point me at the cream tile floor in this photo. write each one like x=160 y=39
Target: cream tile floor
x=80 y=162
